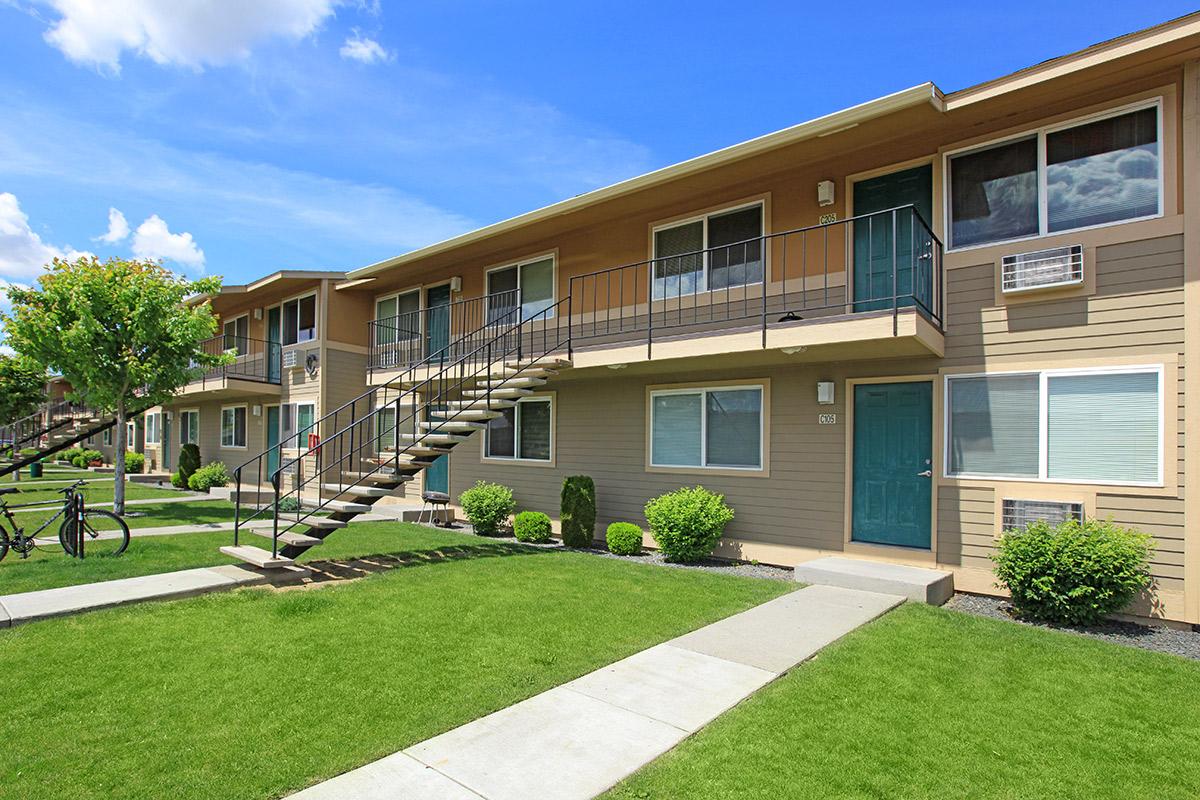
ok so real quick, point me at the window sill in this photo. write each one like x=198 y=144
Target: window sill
x=530 y=462
x=741 y=472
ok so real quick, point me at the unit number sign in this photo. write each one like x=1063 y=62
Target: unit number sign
x=827 y=419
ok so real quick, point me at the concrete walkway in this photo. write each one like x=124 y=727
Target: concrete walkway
x=46 y=603
x=577 y=740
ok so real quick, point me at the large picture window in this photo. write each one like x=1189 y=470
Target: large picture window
x=1058 y=179
x=707 y=428
x=233 y=426
x=1089 y=426
x=300 y=319
x=523 y=432
x=717 y=251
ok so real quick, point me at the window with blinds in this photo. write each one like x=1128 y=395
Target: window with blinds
x=1016 y=514
x=718 y=428
x=523 y=432
x=994 y=426
x=719 y=251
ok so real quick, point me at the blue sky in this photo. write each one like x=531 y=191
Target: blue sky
x=315 y=134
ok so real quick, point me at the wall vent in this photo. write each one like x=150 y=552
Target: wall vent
x=1042 y=269
x=289 y=359
x=1019 y=513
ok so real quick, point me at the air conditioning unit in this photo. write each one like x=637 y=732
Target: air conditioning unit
x=1019 y=513
x=1042 y=269
x=289 y=359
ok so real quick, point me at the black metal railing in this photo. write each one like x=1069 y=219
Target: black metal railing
x=440 y=334
x=377 y=431
x=880 y=262
x=253 y=360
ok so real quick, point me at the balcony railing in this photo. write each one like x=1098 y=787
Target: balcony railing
x=254 y=360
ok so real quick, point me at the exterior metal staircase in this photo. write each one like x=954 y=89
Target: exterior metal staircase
x=379 y=442
x=53 y=427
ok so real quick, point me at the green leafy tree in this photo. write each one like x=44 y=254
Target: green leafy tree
x=119 y=331
x=22 y=387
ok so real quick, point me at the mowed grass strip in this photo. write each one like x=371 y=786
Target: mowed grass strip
x=933 y=703
x=255 y=693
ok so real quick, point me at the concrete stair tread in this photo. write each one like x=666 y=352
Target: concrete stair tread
x=506 y=393
x=324 y=524
x=433 y=438
x=515 y=382
x=550 y=362
x=478 y=405
x=346 y=507
x=470 y=415
x=296 y=539
x=256 y=556
x=378 y=477
x=925 y=585
x=358 y=490
x=458 y=423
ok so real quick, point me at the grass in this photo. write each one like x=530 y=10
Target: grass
x=93 y=492
x=934 y=703
x=254 y=694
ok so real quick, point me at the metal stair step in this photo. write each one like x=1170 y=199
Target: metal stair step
x=295 y=539
x=256 y=556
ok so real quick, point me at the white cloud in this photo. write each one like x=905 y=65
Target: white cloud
x=191 y=33
x=22 y=251
x=118 y=228
x=154 y=240
x=361 y=48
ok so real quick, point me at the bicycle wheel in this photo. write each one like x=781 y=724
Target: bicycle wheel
x=3 y=543
x=104 y=534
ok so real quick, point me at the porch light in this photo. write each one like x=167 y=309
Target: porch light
x=824 y=193
x=825 y=393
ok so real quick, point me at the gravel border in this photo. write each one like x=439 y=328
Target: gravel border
x=717 y=566
x=1159 y=638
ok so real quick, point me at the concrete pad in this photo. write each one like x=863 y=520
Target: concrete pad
x=397 y=777
x=931 y=586
x=5 y=620
x=780 y=634
x=559 y=745
x=680 y=687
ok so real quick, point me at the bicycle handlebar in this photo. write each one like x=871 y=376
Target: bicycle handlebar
x=72 y=487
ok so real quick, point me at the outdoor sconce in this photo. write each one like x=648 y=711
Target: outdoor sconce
x=825 y=193
x=456 y=284
x=825 y=393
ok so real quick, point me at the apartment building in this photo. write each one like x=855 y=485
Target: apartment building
x=890 y=332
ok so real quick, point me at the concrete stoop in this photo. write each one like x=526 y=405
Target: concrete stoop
x=932 y=586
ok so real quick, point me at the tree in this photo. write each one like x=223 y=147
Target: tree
x=121 y=333
x=22 y=387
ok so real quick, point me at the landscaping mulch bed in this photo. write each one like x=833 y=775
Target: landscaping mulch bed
x=1185 y=643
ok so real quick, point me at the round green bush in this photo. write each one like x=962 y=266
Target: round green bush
x=487 y=506
x=1072 y=573
x=135 y=463
x=532 y=526
x=624 y=539
x=178 y=481
x=688 y=523
x=209 y=476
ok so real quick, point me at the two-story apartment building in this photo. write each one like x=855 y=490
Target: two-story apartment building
x=889 y=332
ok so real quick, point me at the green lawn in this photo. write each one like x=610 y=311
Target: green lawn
x=100 y=491
x=254 y=694
x=933 y=703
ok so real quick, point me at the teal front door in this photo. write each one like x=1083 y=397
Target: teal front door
x=437 y=322
x=274 y=337
x=893 y=463
x=873 y=240
x=272 y=441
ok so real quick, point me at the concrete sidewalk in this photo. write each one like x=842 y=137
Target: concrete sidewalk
x=579 y=739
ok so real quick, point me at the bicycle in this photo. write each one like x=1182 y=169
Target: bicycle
x=103 y=533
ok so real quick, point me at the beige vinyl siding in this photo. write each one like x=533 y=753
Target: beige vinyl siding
x=966 y=523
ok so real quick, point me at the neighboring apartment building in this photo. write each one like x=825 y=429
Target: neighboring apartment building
x=889 y=332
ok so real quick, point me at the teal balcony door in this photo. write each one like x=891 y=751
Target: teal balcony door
x=274 y=336
x=272 y=441
x=893 y=464
x=873 y=239
x=437 y=322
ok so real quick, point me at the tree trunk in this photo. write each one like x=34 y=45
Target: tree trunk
x=119 y=463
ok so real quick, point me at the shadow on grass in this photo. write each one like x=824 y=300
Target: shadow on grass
x=361 y=566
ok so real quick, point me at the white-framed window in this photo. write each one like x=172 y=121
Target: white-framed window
x=131 y=435
x=524 y=432
x=1062 y=426
x=707 y=428
x=154 y=428
x=106 y=437
x=236 y=332
x=233 y=426
x=396 y=317
x=300 y=319
x=721 y=250
x=527 y=285
x=189 y=426
x=1089 y=172
x=296 y=422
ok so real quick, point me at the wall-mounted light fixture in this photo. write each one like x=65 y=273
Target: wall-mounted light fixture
x=825 y=193
x=456 y=284
x=825 y=393
x=258 y=313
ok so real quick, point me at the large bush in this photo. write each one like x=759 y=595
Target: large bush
x=189 y=462
x=209 y=476
x=532 y=526
x=578 y=512
x=688 y=523
x=487 y=506
x=87 y=458
x=135 y=463
x=624 y=539
x=69 y=455
x=1072 y=573
x=178 y=481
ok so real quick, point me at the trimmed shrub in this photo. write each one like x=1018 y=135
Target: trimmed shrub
x=688 y=523
x=189 y=461
x=69 y=455
x=1072 y=573
x=487 y=506
x=135 y=463
x=87 y=458
x=289 y=504
x=178 y=481
x=207 y=477
x=26 y=452
x=578 y=511
x=532 y=526
x=624 y=539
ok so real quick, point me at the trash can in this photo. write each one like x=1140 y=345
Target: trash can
x=35 y=469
